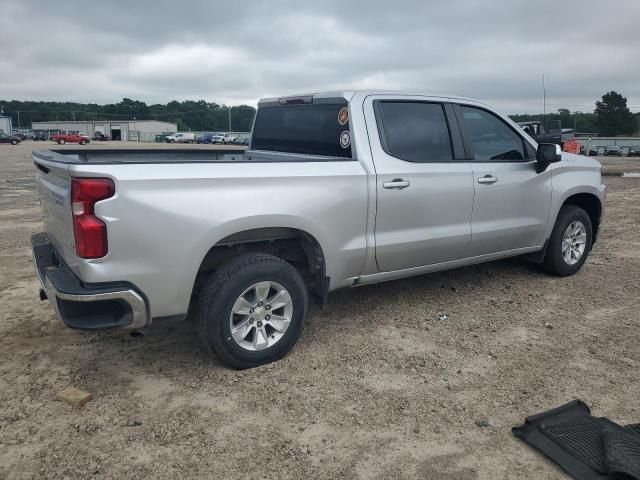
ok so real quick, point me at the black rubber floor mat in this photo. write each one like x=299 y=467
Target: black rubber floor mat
x=580 y=437
x=622 y=451
x=587 y=448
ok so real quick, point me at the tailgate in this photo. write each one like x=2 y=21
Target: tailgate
x=54 y=188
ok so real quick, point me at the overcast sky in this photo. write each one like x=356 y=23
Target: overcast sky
x=237 y=52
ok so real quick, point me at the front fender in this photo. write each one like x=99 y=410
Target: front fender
x=575 y=174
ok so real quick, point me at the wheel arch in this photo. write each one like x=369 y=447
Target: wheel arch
x=591 y=204
x=293 y=245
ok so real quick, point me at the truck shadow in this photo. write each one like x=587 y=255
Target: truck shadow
x=428 y=297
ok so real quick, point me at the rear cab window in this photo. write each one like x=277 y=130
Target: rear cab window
x=320 y=129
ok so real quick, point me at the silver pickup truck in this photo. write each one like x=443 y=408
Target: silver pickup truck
x=336 y=190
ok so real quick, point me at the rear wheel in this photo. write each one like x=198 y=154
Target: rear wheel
x=252 y=310
x=570 y=242
x=83 y=142
x=14 y=142
x=61 y=141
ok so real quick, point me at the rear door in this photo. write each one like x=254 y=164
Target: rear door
x=424 y=186
x=512 y=201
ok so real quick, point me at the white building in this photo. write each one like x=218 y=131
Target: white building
x=5 y=125
x=136 y=130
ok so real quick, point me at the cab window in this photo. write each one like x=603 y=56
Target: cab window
x=491 y=138
x=414 y=131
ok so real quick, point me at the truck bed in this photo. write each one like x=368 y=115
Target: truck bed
x=139 y=155
x=112 y=156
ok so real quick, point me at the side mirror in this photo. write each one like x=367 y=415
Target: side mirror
x=546 y=154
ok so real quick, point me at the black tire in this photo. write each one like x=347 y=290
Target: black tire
x=219 y=293
x=14 y=142
x=83 y=142
x=60 y=141
x=553 y=262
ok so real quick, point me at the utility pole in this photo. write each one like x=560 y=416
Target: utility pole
x=18 y=119
x=575 y=121
x=229 y=118
x=544 y=103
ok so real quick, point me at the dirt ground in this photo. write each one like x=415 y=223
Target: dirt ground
x=378 y=386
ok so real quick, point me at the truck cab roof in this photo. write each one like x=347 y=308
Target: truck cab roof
x=348 y=95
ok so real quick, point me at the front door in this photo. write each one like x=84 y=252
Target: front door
x=424 y=187
x=512 y=201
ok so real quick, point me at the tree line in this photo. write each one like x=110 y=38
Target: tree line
x=189 y=115
x=611 y=116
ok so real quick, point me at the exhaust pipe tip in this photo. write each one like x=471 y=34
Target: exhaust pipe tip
x=137 y=334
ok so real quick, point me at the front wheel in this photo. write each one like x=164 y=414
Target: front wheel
x=14 y=142
x=570 y=242
x=252 y=310
x=61 y=141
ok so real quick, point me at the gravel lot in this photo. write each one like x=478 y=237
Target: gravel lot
x=377 y=387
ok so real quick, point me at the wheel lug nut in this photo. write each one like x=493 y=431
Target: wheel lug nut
x=251 y=310
x=267 y=317
x=259 y=324
x=268 y=307
x=259 y=304
x=251 y=320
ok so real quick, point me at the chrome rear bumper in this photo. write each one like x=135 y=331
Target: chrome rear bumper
x=83 y=306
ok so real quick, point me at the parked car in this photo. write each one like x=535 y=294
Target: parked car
x=40 y=136
x=543 y=132
x=12 y=139
x=100 y=137
x=593 y=151
x=634 y=151
x=229 y=138
x=612 y=150
x=226 y=138
x=203 y=138
x=62 y=138
x=185 y=137
x=21 y=136
x=329 y=196
x=217 y=138
x=241 y=141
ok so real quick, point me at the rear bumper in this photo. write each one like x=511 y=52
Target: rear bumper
x=85 y=306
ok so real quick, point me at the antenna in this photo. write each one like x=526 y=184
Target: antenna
x=544 y=102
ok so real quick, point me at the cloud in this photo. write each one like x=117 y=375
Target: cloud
x=157 y=51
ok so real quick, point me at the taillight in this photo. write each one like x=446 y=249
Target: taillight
x=89 y=231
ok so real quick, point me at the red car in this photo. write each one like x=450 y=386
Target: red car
x=63 y=138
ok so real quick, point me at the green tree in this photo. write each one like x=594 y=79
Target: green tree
x=613 y=116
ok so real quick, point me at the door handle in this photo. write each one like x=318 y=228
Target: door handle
x=396 y=184
x=487 y=179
